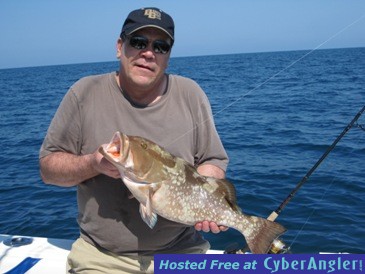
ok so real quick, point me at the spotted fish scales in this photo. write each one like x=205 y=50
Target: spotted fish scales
x=168 y=186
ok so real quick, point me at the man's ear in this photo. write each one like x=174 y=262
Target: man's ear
x=119 y=48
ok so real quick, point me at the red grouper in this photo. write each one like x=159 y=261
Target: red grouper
x=169 y=186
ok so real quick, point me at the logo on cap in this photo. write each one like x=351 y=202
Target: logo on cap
x=152 y=14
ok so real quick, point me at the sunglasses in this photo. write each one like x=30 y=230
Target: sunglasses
x=140 y=42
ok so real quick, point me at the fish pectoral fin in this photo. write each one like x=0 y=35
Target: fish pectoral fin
x=148 y=216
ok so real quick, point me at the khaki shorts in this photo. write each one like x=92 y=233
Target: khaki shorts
x=85 y=258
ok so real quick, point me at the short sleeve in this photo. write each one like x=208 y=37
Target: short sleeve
x=209 y=148
x=64 y=132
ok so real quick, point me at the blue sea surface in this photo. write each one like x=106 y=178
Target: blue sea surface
x=277 y=113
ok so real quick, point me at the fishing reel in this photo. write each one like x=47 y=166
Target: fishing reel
x=278 y=246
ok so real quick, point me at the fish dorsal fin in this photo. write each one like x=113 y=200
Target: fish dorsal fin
x=227 y=189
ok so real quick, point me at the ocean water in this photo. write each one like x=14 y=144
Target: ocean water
x=276 y=113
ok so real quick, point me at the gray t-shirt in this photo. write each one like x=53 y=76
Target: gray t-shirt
x=181 y=121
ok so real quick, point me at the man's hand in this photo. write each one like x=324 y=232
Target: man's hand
x=103 y=166
x=206 y=226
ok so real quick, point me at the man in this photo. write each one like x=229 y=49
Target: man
x=140 y=99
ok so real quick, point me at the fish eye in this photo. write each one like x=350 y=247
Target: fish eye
x=144 y=145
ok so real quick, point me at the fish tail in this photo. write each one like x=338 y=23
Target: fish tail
x=261 y=235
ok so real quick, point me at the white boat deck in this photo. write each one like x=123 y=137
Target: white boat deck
x=52 y=252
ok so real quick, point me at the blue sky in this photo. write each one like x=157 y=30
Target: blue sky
x=49 y=32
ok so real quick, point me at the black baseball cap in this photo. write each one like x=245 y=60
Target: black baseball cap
x=148 y=17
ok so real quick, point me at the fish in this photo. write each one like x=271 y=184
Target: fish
x=169 y=186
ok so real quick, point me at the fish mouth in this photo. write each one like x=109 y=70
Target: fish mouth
x=118 y=148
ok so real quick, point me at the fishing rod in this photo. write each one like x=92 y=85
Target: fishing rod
x=278 y=245
x=276 y=212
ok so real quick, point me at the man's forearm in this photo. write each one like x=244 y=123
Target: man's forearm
x=65 y=169
x=211 y=171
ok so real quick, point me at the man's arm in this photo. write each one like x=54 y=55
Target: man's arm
x=211 y=171
x=65 y=169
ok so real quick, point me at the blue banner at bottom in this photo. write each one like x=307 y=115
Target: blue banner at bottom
x=260 y=264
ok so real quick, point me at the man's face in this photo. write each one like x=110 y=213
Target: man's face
x=143 y=67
